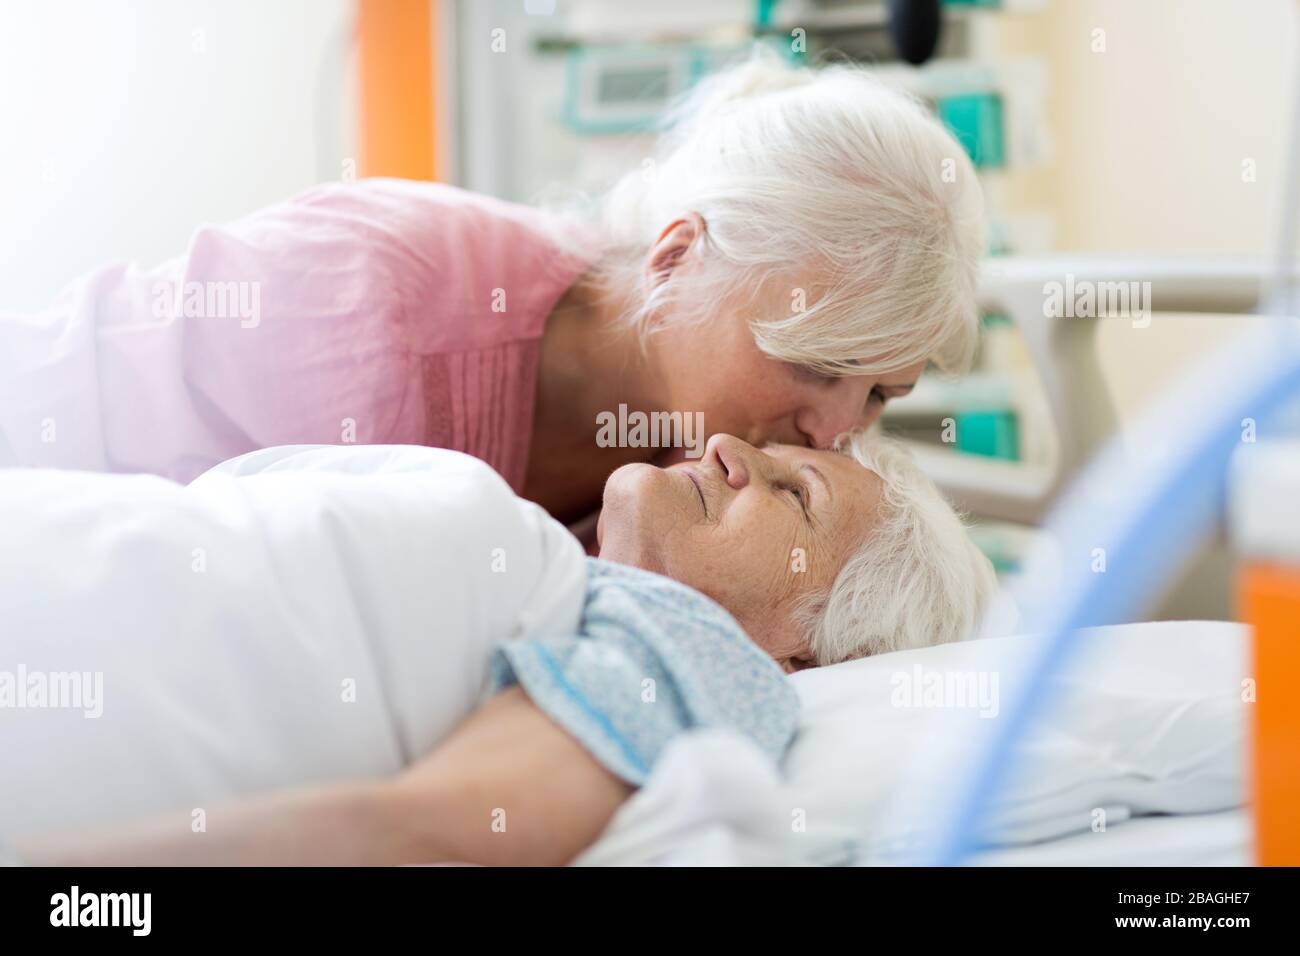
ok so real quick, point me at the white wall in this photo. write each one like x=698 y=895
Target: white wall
x=1150 y=138
x=1187 y=93
x=124 y=125
x=1151 y=133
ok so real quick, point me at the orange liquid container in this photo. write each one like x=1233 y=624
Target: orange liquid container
x=1264 y=494
x=1269 y=596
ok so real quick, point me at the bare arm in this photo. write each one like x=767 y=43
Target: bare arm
x=507 y=787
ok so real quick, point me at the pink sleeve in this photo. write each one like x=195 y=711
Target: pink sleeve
x=374 y=312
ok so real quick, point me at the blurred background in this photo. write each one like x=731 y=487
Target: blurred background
x=1141 y=129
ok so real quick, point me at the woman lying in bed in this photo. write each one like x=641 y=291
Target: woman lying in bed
x=715 y=579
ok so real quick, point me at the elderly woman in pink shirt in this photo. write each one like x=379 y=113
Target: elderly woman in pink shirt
x=802 y=244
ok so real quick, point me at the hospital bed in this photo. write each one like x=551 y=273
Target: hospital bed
x=231 y=705
x=1202 y=839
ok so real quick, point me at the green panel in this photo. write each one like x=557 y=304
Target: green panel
x=976 y=120
x=763 y=10
x=992 y=434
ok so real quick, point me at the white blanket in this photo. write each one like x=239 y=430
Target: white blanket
x=295 y=615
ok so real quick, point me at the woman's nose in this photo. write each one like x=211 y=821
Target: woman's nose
x=835 y=415
x=732 y=456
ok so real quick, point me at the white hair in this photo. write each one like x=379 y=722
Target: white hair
x=825 y=177
x=918 y=580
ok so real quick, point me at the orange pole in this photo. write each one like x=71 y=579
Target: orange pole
x=396 y=97
x=1270 y=603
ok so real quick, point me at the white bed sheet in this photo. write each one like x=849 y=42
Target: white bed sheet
x=1200 y=839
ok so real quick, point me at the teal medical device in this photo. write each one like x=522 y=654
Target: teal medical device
x=976 y=119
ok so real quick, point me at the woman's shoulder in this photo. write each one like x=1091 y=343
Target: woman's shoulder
x=473 y=271
x=405 y=205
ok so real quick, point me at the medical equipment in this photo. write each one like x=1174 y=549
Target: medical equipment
x=580 y=95
x=622 y=89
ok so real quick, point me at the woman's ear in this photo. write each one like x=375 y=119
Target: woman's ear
x=672 y=246
x=782 y=638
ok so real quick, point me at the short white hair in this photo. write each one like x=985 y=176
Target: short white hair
x=918 y=580
x=824 y=175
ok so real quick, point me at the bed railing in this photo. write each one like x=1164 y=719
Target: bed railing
x=1064 y=352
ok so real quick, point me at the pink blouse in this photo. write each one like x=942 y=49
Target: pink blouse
x=381 y=311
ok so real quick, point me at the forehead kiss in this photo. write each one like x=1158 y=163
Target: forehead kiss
x=818 y=487
x=759 y=530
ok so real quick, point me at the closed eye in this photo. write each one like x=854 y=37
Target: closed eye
x=879 y=396
x=800 y=495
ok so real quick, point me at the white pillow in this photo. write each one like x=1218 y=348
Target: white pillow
x=1148 y=719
